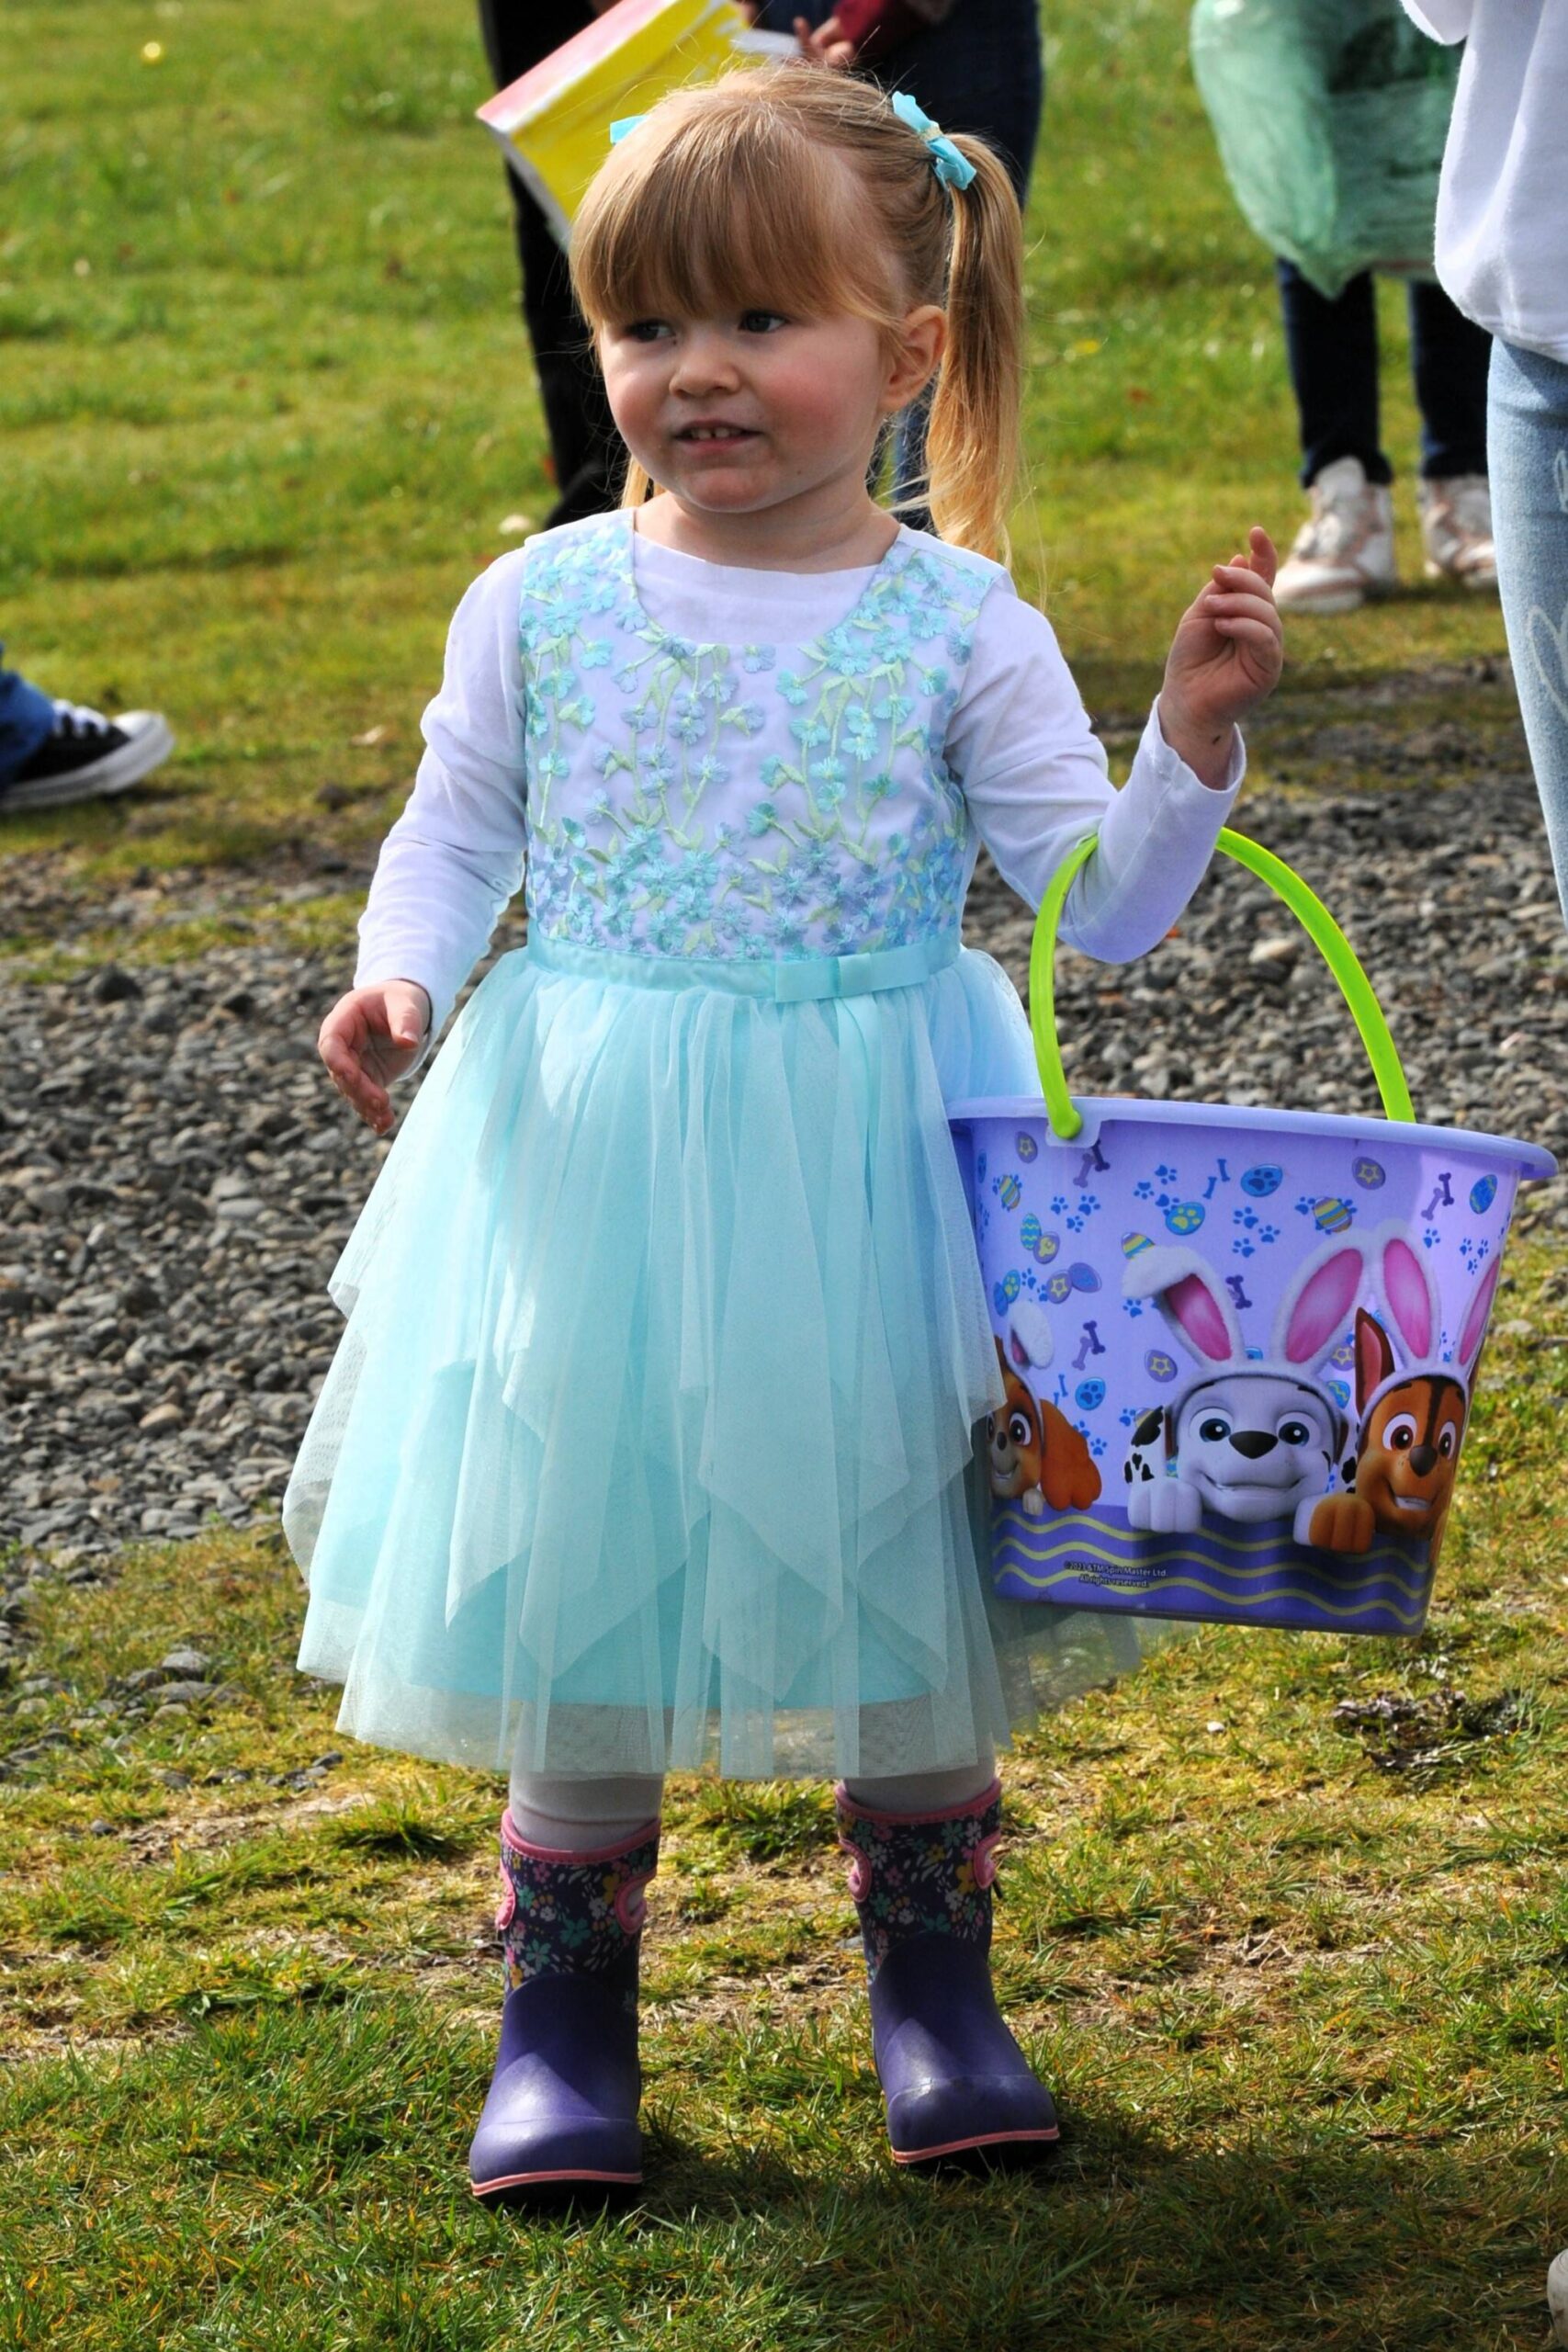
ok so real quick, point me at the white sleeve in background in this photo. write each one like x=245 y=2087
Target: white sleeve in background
x=455 y=855
x=1446 y=20
x=1036 y=781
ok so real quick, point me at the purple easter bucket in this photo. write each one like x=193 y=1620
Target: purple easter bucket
x=1239 y=1345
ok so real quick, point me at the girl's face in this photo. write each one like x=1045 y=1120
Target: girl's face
x=755 y=411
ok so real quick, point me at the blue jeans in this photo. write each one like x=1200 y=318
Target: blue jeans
x=1332 y=349
x=27 y=719
x=1527 y=422
x=982 y=69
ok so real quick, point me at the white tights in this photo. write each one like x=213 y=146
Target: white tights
x=583 y=1816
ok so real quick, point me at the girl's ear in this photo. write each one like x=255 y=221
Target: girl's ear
x=922 y=339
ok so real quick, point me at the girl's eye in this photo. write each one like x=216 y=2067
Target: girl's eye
x=762 y=322
x=645 y=330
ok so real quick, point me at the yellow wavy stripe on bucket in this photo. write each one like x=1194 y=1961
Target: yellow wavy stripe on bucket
x=1413 y=1591
x=1411 y=1617
x=1121 y=1534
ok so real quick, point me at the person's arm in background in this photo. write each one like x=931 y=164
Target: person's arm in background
x=1446 y=20
x=859 y=31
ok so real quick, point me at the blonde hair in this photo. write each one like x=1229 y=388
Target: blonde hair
x=750 y=192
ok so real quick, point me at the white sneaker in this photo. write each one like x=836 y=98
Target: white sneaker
x=1456 y=524
x=88 y=757
x=1344 y=552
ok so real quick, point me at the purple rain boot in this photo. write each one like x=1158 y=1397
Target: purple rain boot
x=562 y=2109
x=953 y=2079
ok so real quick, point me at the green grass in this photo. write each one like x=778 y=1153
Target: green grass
x=1292 y=1956
x=265 y=403
x=1284 y=1921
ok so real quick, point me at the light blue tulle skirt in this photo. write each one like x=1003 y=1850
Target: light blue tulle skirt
x=650 y=1439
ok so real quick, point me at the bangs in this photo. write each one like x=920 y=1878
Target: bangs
x=734 y=209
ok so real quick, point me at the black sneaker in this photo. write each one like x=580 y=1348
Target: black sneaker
x=88 y=757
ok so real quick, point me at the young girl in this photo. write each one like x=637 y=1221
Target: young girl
x=650 y=1439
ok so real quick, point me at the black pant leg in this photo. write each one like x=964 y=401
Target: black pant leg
x=589 y=458
x=1332 y=349
x=1449 y=358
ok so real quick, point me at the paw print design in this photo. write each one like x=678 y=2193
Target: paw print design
x=1142 y=1190
x=1166 y=1175
x=1474 y=1253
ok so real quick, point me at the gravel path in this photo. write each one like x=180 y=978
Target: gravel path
x=177 y=1177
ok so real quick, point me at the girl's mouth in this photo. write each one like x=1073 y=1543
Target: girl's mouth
x=714 y=433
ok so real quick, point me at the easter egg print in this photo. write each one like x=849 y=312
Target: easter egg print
x=1034 y=1238
x=1010 y=1191
x=1025 y=1146
x=1368 y=1173
x=1134 y=1244
x=1483 y=1192
x=1059 y=1287
x=1006 y=1291
x=1082 y=1276
x=1341 y=1392
x=1186 y=1216
x=1159 y=1366
x=1332 y=1215
x=1262 y=1181
x=1089 y=1394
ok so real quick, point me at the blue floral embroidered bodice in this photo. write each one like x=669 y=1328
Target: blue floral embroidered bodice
x=756 y=800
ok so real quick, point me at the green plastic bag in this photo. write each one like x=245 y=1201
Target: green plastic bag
x=1331 y=117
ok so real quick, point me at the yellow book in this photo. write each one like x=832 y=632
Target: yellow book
x=554 y=122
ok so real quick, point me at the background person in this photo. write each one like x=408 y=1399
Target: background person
x=1344 y=551
x=53 y=753
x=1502 y=256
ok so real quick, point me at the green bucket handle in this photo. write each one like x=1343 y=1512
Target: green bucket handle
x=1066 y=1119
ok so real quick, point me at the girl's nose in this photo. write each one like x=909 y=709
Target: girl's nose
x=705 y=363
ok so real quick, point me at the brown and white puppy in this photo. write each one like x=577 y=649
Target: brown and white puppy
x=1412 y=1417
x=1035 y=1455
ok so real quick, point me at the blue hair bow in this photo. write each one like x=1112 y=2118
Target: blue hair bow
x=619 y=129
x=951 y=168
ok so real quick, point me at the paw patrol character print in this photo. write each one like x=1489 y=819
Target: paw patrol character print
x=1035 y=1456
x=1250 y=1438
x=1412 y=1415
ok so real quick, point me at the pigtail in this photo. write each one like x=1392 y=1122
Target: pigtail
x=972 y=442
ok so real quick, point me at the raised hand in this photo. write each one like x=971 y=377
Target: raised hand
x=370 y=1037
x=1226 y=655
x=826 y=44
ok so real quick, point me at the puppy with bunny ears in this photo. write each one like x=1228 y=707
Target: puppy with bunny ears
x=1412 y=1415
x=1252 y=1437
x=1034 y=1455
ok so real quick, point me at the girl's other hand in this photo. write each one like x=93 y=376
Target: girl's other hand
x=370 y=1037
x=1227 y=653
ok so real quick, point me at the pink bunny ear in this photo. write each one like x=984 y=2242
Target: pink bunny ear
x=1476 y=1313
x=1315 y=1316
x=1016 y=1350
x=1409 y=1297
x=1193 y=1307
